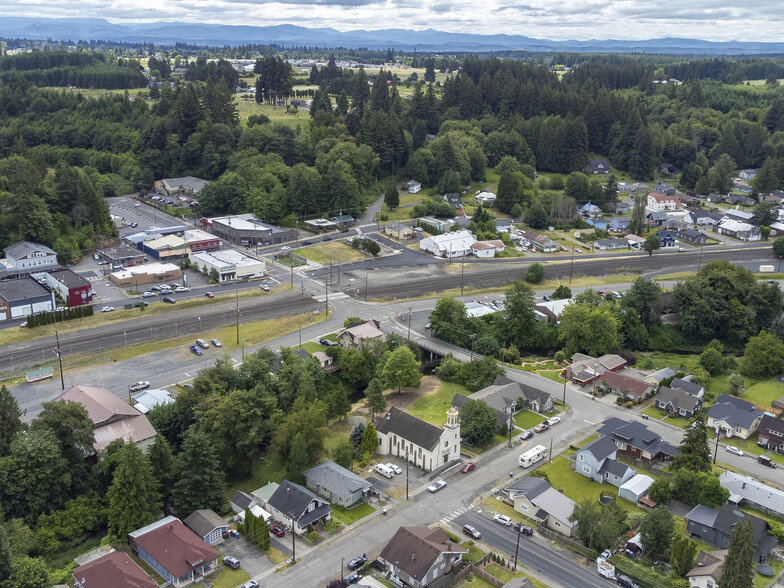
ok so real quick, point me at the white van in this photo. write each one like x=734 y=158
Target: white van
x=384 y=470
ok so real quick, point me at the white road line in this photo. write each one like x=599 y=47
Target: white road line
x=187 y=374
x=589 y=422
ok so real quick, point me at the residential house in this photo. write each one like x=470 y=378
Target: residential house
x=419 y=556
x=115 y=569
x=596 y=461
x=707 y=572
x=598 y=166
x=776 y=229
x=715 y=527
x=485 y=249
x=635 y=488
x=627 y=387
x=584 y=369
x=596 y=223
x=449 y=245
x=419 y=442
x=290 y=503
x=23 y=258
x=22 y=297
x=112 y=418
x=453 y=199
x=665 y=189
x=635 y=241
x=658 y=376
x=399 y=230
x=702 y=218
x=359 y=336
x=656 y=218
x=413 y=187
x=738 y=230
x=715 y=198
x=461 y=221
x=755 y=493
x=677 y=402
x=660 y=202
x=146 y=400
x=667 y=238
x=771 y=433
x=744 y=216
x=327 y=362
x=187 y=185
x=539 y=242
x=688 y=199
x=337 y=484
x=621 y=207
x=435 y=225
x=619 y=224
x=688 y=386
x=485 y=198
x=610 y=244
x=240 y=500
x=174 y=552
x=550 y=310
x=589 y=210
x=536 y=499
x=747 y=174
x=744 y=188
x=626 y=187
x=206 y=523
x=634 y=439
x=734 y=416
x=692 y=236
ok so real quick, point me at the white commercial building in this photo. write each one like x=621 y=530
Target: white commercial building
x=449 y=245
x=230 y=264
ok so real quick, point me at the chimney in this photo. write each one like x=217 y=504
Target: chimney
x=288 y=490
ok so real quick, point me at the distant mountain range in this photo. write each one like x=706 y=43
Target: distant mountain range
x=168 y=33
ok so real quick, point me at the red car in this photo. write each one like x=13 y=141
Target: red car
x=277 y=531
x=209 y=295
x=469 y=467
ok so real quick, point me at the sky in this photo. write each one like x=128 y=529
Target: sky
x=712 y=20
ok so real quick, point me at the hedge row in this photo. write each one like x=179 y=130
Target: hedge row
x=645 y=576
x=47 y=318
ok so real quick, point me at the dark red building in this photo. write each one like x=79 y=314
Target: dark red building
x=71 y=287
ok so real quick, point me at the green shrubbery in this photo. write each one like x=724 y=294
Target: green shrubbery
x=48 y=318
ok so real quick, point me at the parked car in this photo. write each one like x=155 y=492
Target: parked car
x=209 y=295
x=627 y=582
x=553 y=421
x=325 y=342
x=617 y=295
x=196 y=350
x=265 y=287
x=216 y=343
x=523 y=530
x=138 y=386
x=541 y=427
x=182 y=289
x=436 y=486
x=471 y=532
x=578 y=250
x=167 y=291
x=394 y=468
x=129 y=305
x=546 y=298
x=469 y=467
x=202 y=343
x=231 y=562
x=277 y=531
x=526 y=435
x=733 y=449
x=107 y=309
x=681 y=249
x=307 y=242
x=503 y=519
x=352 y=578
x=285 y=248
x=765 y=460
x=169 y=300
x=149 y=295
x=357 y=562
x=250 y=584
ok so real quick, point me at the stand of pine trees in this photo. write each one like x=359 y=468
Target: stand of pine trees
x=255 y=530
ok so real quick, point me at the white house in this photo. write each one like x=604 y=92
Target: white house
x=659 y=202
x=755 y=493
x=413 y=187
x=423 y=444
x=738 y=230
x=230 y=264
x=24 y=257
x=487 y=248
x=485 y=198
x=449 y=245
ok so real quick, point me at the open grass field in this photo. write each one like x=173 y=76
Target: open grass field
x=229 y=578
x=276 y=114
x=432 y=408
x=334 y=251
x=764 y=392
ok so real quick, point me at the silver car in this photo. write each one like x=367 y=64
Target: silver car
x=436 y=486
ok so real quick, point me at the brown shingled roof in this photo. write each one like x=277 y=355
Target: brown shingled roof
x=116 y=569
x=414 y=550
x=178 y=549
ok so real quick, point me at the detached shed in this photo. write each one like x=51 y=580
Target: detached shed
x=635 y=488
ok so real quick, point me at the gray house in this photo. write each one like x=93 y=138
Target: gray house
x=715 y=527
x=336 y=483
x=597 y=462
x=677 y=402
x=208 y=525
x=502 y=393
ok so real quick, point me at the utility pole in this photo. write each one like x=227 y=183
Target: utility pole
x=237 y=291
x=462 y=271
x=699 y=262
x=517 y=547
x=716 y=450
x=60 y=359
x=564 y=394
x=292 y=272
x=326 y=300
x=293 y=540
x=365 y=285
x=571 y=266
x=300 y=331
x=472 y=336
x=511 y=425
x=407 y=467
x=409 y=323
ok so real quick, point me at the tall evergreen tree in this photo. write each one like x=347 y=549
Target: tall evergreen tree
x=374 y=398
x=738 y=571
x=299 y=459
x=391 y=196
x=5 y=555
x=200 y=480
x=162 y=463
x=10 y=420
x=637 y=222
x=694 y=451
x=656 y=532
x=133 y=497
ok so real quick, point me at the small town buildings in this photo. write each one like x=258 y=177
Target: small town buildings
x=151 y=273
x=598 y=166
x=536 y=499
x=755 y=493
x=744 y=188
x=747 y=174
x=635 y=488
x=419 y=442
x=702 y=218
x=665 y=189
x=485 y=198
x=692 y=236
x=246 y=229
x=321 y=224
x=24 y=296
x=715 y=527
x=627 y=387
x=419 y=556
x=596 y=461
x=550 y=310
x=337 y=484
x=584 y=369
x=771 y=433
x=745 y=216
x=626 y=187
x=635 y=241
x=148 y=399
x=477 y=309
x=619 y=224
x=634 y=439
x=776 y=229
x=23 y=258
x=398 y=230
x=659 y=376
x=291 y=503
x=660 y=202
x=738 y=230
x=358 y=336
x=539 y=242
x=734 y=416
x=166 y=247
x=328 y=363
x=432 y=224
x=230 y=264
x=453 y=199
x=707 y=572
x=656 y=218
x=115 y=569
x=485 y=249
x=449 y=245
x=610 y=244
x=187 y=185
x=112 y=418
x=175 y=552
x=589 y=210
x=413 y=187
x=208 y=525
x=199 y=240
x=343 y=220
x=714 y=198
x=667 y=238
x=677 y=402
x=688 y=386
x=122 y=255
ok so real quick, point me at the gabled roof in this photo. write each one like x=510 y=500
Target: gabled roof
x=366 y=330
x=410 y=428
x=615 y=468
x=709 y=563
x=637 y=484
x=115 y=569
x=728 y=516
x=556 y=504
x=662 y=374
x=734 y=411
x=336 y=478
x=687 y=386
x=621 y=381
x=204 y=521
x=636 y=435
x=529 y=486
x=241 y=500
x=769 y=423
x=175 y=547
x=680 y=399
x=414 y=550
x=600 y=448
x=23 y=248
x=293 y=500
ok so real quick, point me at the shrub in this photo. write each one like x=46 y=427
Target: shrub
x=384 y=217
x=629 y=404
x=535 y=273
x=559 y=356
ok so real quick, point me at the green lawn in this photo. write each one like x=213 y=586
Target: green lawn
x=476 y=582
x=586 y=441
x=764 y=392
x=659 y=415
x=264 y=470
x=474 y=553
x=334 y=251
x=432 y=408
x=229 y=578
x=276 y=114
x=311 y=347
x=502 y=508
x=351 y=516
x=528 y=419
x=761 y=581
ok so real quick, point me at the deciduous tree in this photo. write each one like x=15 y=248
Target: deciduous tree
x=763 y=357
x=477 y=422
x=10 y=420
x=656 y=532
x=400 y=369
x=374 y=398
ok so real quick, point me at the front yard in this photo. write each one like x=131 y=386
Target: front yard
x=352 y=515
x=527 y=419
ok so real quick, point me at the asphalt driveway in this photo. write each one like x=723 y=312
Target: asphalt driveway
x=251 y=559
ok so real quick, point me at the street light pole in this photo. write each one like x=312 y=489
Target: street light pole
x=511 y=423
x=571 y=266
x=407 y=467
x=409 y=323
x=716 y=449
x=60 y=359
x=237 y=291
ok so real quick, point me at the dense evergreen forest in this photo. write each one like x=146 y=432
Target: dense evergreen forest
x=516 y=115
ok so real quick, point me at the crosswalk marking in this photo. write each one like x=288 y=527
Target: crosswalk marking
x=338 y=296
x=456 y=513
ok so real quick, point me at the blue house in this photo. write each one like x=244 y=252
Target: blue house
x=208 y=525
x=619 y=224
x=667 y=237
x=597 y=224
x=596 y=461
x=175 y=552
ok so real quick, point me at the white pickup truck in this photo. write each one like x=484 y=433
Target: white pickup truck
x=604 y=567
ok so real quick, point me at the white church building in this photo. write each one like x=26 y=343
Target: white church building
x=426 y=445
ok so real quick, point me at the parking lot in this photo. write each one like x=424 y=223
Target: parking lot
x=251 y=559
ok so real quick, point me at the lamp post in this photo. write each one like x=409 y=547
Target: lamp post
x=59 y=359
x=237 y=291
x=409 y=323
x=716 y=449
x=571 y=266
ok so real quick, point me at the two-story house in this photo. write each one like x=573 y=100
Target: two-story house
x=735 y=417
x=677 y=402
x=295 y=506
x=634 y=439
x=419 y=556
x=360 y=335
x=715 y=528
x=24 y=258
x=771 y=433
x=597 y=462
x=536 y=499
x=661 y=202
x=336 y=483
